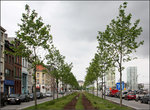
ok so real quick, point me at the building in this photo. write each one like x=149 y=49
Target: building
x=30 y=78
x=80 y=82
x=110 y=78
x=9 y=82
x=15 y=62
x=2 y=45
x=24 y=76
x=132 y=78
x=43 y=80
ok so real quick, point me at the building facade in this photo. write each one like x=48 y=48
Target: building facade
x=132 y=78
x=24 y=76
x=17 y=68
x=2 y=42
x=9 y=82
x=110 y=78
x=30 y=78
x=43 y=80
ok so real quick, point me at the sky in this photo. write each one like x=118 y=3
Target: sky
x=75 y=25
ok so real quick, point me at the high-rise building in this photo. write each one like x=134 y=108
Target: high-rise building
x=2 y=42
x=110 y=78
x=132 y=78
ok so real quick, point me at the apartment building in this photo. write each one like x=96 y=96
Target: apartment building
x=2 y=45
x=24 y=76
x=43 y=80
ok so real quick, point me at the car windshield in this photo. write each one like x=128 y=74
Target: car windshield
x=22 y=95
x=131 y=94
x=13 y=95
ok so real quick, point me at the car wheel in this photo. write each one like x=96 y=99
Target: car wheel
x=141 y=101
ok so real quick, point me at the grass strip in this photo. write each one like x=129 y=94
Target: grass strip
x=79 y=105
x=102 y=104
x=56 y=104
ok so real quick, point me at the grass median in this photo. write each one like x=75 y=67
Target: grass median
x=102 y=104
x=56 y=104
x=79 y=105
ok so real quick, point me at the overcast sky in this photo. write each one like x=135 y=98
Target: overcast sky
x=75 y=25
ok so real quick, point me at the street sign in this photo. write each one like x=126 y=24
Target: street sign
x=118 y=85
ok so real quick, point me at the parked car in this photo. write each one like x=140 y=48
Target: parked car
x=24 y=98
x=44 y=95
x=113 y=92
x=3 y=99
x=145 y=99
x=138 y=97
x=130 y=95
x=124 y=93
x=39 y=95
x=14 y=99
x=49 y=94
x=31 y=96
x=117 y=94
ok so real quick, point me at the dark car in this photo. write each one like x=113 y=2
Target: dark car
x=24 y=98
x=139 y=97
x=14 y=99
x=130 y=95
x=39 y=95
x=31 y=96
x=3 y=99
x=145 y=99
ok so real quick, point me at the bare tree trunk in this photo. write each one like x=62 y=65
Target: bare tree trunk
x=102 y=85
x=97 y=87
x=35 y=99
x=57 y=88
x=120 y=66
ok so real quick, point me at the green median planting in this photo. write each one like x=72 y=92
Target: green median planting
x=79 y=105
x=56 y=104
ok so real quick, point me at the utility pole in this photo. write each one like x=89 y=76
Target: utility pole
x=0 y=68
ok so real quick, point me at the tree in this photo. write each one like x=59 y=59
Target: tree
x=32 y=35
x=121 y=38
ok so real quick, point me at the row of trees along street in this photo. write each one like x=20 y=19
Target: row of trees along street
x=33 y=36
x=115 y=46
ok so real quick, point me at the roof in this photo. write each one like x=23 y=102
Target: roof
x=40 y=68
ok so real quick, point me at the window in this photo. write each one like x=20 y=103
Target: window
x=9 y=59
x=37 y=75
x=23 y=62
x=12 y=60
x=1 y=52
x=7 y=72
x=37 y=81
x=43 y=75
x=6 y=57
x=43 y=81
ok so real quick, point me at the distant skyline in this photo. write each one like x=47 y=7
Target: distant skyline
x=75 y=25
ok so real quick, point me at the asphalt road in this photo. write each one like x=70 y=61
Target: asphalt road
x=27 y=104
x=131 y=103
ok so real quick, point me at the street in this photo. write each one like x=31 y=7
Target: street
x=131 y=103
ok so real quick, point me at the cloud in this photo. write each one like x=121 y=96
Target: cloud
x=75 y=25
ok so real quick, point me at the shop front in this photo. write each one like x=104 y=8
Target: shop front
x=9 y=87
